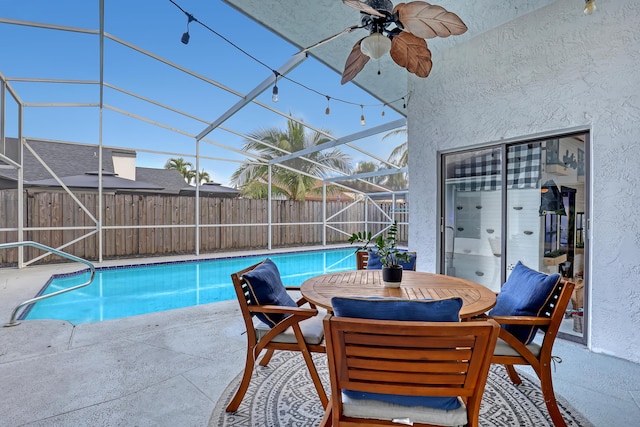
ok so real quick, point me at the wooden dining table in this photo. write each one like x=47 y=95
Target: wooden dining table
x=476 y=299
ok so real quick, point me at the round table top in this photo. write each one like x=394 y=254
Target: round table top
x=415 y=285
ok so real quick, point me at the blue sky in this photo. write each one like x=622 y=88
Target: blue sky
x=157 y=26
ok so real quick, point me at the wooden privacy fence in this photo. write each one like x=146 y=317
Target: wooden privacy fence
x=146 y=225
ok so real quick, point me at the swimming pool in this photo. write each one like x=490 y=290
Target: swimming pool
x=132 y=290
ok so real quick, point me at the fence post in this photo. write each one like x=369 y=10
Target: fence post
x=324 y=214
x=197 y=222
x=269 y=210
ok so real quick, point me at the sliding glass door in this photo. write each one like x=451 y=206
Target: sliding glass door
x=472 y=220
x=518 y=202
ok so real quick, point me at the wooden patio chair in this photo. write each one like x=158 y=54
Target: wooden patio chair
x=511 y=351
x=300 y=329
x=406 y=360
x=361 y=260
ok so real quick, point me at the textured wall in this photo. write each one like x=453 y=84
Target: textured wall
x=550 y=70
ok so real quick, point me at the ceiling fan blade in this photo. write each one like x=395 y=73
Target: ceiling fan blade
x=412 y=53
x=363 y=7
x=428 y=21
x=355 y=63
x=330 y=38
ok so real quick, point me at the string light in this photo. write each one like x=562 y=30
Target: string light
x=383 y=105
x=274 y=93
x=404 y=103
x=186 y=36
x=185 y=40
x=362 y=122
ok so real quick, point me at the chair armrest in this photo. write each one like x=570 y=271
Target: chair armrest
x=521 y=320
x=298 y=311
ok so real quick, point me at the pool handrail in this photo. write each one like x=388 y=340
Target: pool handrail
x=92 y=269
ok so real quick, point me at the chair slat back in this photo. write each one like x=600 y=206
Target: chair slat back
x=361 y=260
x=242 y=292
x=410 y=358
x=556 y=305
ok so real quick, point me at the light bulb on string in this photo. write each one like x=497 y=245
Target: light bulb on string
x=383 y=105
x=274 y=92
x=185 y=36
x=362 y=122
x=589 y=6
x=379 y=46
x=404 y=103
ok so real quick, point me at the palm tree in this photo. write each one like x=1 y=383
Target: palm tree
x=190 y=176
x=365 y=167
x=252 y=177
x=397 y=181
x=203 y=176
x=400 y=154
x=182 y=166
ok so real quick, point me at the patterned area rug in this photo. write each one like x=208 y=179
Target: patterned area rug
x=282 y=394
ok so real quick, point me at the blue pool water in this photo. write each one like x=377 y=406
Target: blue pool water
x=132 y=290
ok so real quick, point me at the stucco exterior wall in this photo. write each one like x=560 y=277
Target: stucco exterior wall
x=551 y=70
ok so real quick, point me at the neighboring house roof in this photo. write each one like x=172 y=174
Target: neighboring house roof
x=169 y=179
x=76 y=165
x=89 y=180
x=210 y=189
x=65 y=159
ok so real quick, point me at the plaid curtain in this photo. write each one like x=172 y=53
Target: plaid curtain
x=478 y=173
x=523 y=166
x=482 y=172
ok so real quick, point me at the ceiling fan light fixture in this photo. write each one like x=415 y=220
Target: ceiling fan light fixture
x=589 y=6
x=375 y=45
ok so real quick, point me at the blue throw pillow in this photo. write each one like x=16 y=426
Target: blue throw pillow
x=266 y=288
x=391 y=308
x=525 y=293
x=409 y=265
x=375 y=263
x=446 y=310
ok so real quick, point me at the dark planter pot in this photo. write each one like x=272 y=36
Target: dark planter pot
x=392 y=276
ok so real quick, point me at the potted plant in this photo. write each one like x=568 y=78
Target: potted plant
x=386 y=248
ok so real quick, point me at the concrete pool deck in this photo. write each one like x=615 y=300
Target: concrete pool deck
x=169 y=368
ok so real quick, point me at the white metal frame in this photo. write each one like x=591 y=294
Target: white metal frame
x=5 y=86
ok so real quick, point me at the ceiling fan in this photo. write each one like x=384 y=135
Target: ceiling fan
x=399 y=30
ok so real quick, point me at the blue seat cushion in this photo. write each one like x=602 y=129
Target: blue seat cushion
x=266 y=288
x=420 y=310
x=525 y=293
x=375 y=263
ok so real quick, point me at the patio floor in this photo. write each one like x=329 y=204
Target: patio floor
x=169 y=368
